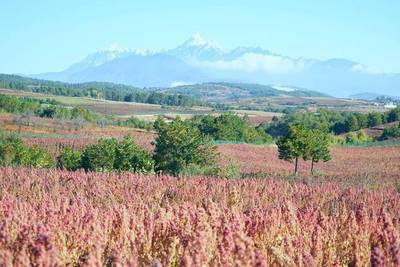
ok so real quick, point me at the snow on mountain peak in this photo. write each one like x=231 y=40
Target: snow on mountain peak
x=198 y=40
x=114 y=47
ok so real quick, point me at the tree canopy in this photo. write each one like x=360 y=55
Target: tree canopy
x=300 y=142
x=180 y=145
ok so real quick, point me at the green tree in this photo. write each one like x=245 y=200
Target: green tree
x=100 y=156
x=374 y=119
x=39 y=157
x=358 y=138
x=13 y=151
x=69 y=159
x=318 y=148
x=303 y=143
x=293 y=145
x=180 y=145
x=352 y=123
x=362 y=120
x=131 y=157
x=394 y=115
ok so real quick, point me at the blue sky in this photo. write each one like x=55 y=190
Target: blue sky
x=48 y=35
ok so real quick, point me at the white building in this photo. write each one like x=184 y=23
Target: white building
x=390 y=105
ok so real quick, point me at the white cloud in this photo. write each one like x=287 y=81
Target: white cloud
x=283 y=88
x=252 y=62
x=179 y=83
x=365 y=69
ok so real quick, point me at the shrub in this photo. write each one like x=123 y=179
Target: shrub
x=230 y=171
x=101 y=156
x=69 y=159
x=197 y=170
x=39 y=157
x=358 y=138
x=392 y=132
x=131 y=157
x=13 y=151
x=337 y=140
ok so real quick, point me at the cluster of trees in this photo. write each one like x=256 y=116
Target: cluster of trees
x=49 y=108
x=13 y=152
x=302 y=143
x=230 y=127
x=356 y=121
x=179 y=148
x=332 y=121
x=108 y=155
x=44 y=108
x=160 y=99
x=135 y=123
x=392 y=132
x=109 y=91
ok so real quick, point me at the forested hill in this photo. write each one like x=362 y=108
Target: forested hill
x=223 y=91
x=108 y=91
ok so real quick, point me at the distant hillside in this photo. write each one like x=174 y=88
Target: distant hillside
x=105 y=90
x=220 y=95
x=372 y=96
x=222 y=92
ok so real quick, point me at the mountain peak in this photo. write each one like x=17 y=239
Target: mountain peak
x=198 y=40
x=114 y=47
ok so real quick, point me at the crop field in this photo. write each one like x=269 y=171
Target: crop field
x=282 y=102
x=55 y=135
x=58 y=218
x=370 y=167
x=119 y=109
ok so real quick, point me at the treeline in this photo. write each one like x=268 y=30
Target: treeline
x=332 y=121
x=392 y=132
x=44 y=109
x=108 y=91
x=29 y=107
x=231 y=128
x=180 y=149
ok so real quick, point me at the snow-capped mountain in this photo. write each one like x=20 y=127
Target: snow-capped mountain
x=144 y=70
x=197 y=48
x=100 y=57
x=201 y=60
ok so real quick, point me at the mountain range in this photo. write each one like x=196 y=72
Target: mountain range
x=198 y=60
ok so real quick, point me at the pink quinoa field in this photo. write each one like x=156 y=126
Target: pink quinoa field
x=59 y=218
